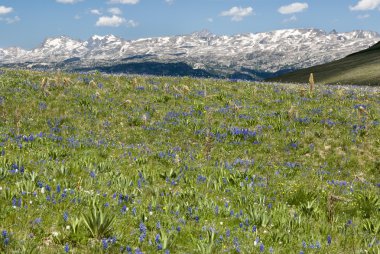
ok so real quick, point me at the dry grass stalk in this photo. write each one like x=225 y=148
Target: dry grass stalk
x=303 y=92
x=292 y=112
x=92 y=83
x=331 y=200
x=185 y=89
x=44 y=83
x=311 y=82
x=67 y=81
x=134 y=83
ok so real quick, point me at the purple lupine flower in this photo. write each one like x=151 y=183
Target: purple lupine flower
x=105 y=244
x=262 y=247
x=65 y=216
x=67 y=248
x=329 y=239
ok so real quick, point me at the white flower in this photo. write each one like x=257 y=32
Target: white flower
x=55 y=233
x=68 y=227
x=43 y=190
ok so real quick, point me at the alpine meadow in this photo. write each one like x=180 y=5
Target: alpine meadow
x=95 y=163
x=189 y=127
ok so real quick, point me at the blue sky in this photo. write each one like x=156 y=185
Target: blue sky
x=26 y=23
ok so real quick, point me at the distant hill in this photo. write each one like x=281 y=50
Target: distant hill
x=361 y=68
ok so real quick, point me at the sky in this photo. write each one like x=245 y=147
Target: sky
x=27 y=23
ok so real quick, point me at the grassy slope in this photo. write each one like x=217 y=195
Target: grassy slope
x=361 y=68
x=209 y=161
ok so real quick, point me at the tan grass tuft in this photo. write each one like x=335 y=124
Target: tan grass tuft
x=185 y=89
x=92 y=83
x=292 y=112
x=311 y=82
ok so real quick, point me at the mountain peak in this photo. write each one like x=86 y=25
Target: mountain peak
x=204 y=33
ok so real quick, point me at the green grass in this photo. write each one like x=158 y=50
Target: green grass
x=93 y=164
x=361 y=68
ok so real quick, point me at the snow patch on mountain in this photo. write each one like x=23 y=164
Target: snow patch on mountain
x=269 y=52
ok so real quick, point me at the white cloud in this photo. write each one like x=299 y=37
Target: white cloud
x=131 y=23
x=13 y=20
x=5 y=10
x=68 y=1
x=169 y=2
x=291 y=19
x=210 y=20
x=237 y=13
x=365 y=16
x=77 y=17
x=115 y=11
x=364 y=5
x=293 y=8
x=114 y=21
x=95 y=12
x=123 y=1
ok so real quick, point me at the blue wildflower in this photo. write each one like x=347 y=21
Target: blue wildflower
x=105 y=244
x=236 y=244
x=329 y=239
x=228 y=233
x=67 y=248
x=142 y=232
x=65 y=216
x=262 y=247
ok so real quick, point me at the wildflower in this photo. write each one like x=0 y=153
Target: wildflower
x=261 y=247
x=157 y=238
x=228 y=233
x=257 y=240
x=142 y=232
x=236 y=244
x=329 y=239
x=67 y=248
x=4 y=233
x=254 y=228
x=37 y=221
x=158 y=225
x=65 y=216
x=104 y=244
x=6 y=241
x=271 y=250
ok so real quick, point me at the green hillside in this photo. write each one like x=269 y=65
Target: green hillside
x=361 y=68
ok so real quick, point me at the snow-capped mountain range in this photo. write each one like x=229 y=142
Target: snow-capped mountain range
x=260 y=52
